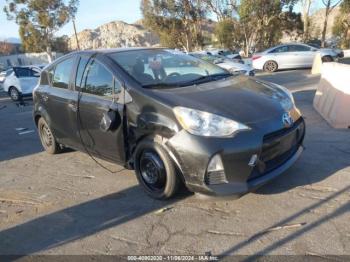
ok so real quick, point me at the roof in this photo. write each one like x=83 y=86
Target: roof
x=117 y=50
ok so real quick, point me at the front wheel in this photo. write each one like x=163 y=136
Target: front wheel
x=14 y=94
x=155 y=171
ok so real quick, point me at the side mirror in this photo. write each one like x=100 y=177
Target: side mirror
x=109 y=121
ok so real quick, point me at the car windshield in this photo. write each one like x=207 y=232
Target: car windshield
x=162 y=68
x=226 y=52
x=209 y=58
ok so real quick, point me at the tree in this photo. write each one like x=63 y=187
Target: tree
x=6 y=48
x=306 y=5
x=177 y=22
x=341 y=26
x=39 y=20
x=330 y=5
x=263 y=21
x=223 y=9
x=224 y=31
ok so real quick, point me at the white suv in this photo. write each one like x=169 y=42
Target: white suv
x=20 y=81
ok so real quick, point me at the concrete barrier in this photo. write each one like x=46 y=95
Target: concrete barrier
x=346 y=53
x=317 y=65
x=332 y=99
x=25 y=59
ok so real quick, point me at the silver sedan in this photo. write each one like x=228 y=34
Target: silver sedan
x=290 y=56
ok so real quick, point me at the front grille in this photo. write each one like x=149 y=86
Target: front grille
x=278 y=147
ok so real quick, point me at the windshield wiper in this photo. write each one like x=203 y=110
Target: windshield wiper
x=160 y=85
x=207 y=78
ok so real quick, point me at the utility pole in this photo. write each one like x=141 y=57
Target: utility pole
x=75 y=33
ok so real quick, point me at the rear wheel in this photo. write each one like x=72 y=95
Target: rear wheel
x=14 y=94
x=270 y=66
x=155 y=170
x=47 y=138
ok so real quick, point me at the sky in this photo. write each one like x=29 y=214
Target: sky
x=93 y=13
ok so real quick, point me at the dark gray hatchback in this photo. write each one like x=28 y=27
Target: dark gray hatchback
x=171 y=117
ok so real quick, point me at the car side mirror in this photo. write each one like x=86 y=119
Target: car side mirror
x=109 y=121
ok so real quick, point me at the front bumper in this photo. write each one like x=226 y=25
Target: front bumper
x=275 y=153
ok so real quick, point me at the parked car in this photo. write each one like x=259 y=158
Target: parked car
x=171 y=117
x=233 y=67
x=20 y=81
x=289 y=56
x=225 y=53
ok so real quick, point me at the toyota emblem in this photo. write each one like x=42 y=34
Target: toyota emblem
x=287 y=120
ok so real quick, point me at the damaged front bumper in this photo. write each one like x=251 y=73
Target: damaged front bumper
x=249 y=160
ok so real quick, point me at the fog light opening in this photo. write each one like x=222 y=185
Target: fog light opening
x=215 y=172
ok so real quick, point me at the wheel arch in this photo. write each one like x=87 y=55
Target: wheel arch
x=41 y=112
x=160 y=139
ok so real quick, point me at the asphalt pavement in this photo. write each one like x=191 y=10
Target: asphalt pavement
x=66 y=204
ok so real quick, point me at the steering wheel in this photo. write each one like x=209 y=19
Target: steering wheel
x=174 y=74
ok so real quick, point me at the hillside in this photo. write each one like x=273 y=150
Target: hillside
x=114 y=34
x=318 y=19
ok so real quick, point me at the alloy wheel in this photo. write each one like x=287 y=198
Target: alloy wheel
x=14 y=94
x=271 y=66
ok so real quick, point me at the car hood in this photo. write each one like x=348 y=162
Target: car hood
x=235 y=66
x=240 y=98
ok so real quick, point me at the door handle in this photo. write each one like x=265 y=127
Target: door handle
x=73 y=107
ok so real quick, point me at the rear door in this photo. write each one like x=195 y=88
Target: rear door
x=99 y=106
x=60 y=101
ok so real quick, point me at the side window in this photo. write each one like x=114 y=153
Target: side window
x=79 y=83
x=62 y=73
x=281 y=49
x=299 y=48
x=23 y=72
x=98 y=80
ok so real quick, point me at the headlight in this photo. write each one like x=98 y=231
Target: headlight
x=237 y=72
x=206 y=124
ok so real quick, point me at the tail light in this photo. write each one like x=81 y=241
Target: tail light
x=256 y=57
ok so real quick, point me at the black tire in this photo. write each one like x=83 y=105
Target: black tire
x=47 y=138
x=327 y=59
x=14 y=94
x=270 y=66
x=155 y=171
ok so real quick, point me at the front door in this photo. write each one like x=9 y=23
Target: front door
x=100 y=116
x=303 y=56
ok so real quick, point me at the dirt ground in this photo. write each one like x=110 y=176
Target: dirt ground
x=66 y=204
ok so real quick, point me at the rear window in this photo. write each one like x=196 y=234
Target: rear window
x=24 y=72
x=62 y=73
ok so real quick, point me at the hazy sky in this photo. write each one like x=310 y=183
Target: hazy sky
x=93 y=13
